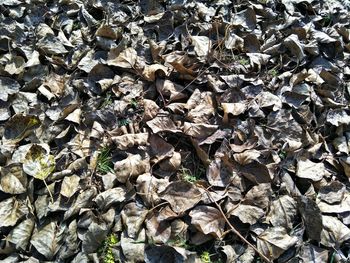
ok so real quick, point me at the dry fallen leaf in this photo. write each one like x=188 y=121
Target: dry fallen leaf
x=310 y=170
x=247 y=213
x=274 y=241
x=282 y=212
x=208 y=220
x=181 y=196
x=132 y=166
x=334 y=232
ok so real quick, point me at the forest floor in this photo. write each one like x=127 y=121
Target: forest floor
x=174 y=131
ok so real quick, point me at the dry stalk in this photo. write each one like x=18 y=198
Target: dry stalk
x=234 y=230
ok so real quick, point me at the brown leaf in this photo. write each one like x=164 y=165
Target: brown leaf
x=282 y=212
x=9 y=86
x=107 y=31
x=220 y=172
x=160 y=149
x=126 y=141
x=274 y=241
x=259 y=195
x=171 y=164
x=150 y=187
x=247 y=156
x=247 y=213
x=310 y=253
x=70 y=185
x=256 y=172
x=133 y=216
x=132 y=166
x=162 y=123
x=181 y=196
x=199 y=131
x=125 y=59
x=169 y=89
x=208 y=220
x=150 y=109
x=56 y=84
x=202 y=45
x=149 y=72
x=233 y=109
x=310 y=170
x=340 y=207
x=157 y=229
x=332 y=192
x=19 y=126
x=181 y=62
x=11 y=210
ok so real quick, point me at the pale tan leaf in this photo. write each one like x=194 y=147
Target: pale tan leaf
x=133 y=165
x=12 y=179
x=70 y=185
x=202 y=45
x=334 y=232
x=310 y=170
x=125 y=59
x=126 y=141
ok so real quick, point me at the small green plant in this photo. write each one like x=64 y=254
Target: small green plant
x=282 y=154
x=76 y=26
x=107 y=101
x=243 y=61
x=134 y=103
x=327 y=20
x=273 y=72
x=205 y=257
x=105 y=252
x=104 y=161
x=333 y=257
x=123 y=122
x=179 y=242
x=188 y=176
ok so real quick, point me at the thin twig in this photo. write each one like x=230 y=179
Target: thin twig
x=234 y=230
x=48 y=189
x=164 y=203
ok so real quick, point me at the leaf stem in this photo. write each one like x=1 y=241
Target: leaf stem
x=48 y=189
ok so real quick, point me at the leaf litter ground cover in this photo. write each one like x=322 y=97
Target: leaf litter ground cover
x=174 y=131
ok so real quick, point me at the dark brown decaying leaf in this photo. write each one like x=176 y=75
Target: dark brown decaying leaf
x=19 y=126
x=311 y=216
